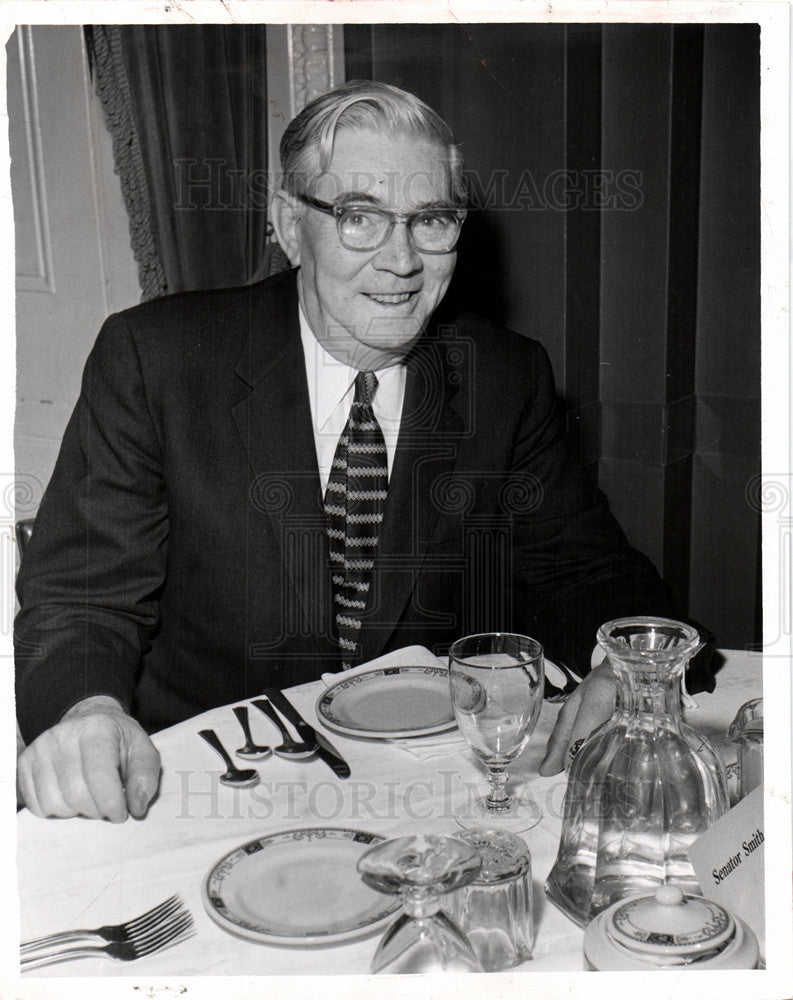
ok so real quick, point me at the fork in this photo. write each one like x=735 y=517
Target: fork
x=154 y=930
x=124 y=951
x=178 y=929
x=127 y=931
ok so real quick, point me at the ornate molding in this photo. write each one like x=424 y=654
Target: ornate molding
x=312 y=62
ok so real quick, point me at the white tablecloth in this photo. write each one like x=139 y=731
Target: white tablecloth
x=84 y=873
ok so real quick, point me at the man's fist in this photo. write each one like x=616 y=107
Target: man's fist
x=96 y=762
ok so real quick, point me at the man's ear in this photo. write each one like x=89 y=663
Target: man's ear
x=285 y=216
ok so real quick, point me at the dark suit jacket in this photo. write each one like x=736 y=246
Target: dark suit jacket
x=179 y=557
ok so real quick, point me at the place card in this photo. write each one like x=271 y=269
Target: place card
x=729 y=861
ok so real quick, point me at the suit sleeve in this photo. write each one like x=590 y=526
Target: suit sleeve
x=574 y=569
x=89 y=582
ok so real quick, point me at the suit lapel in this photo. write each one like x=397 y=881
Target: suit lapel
x=430 y=430
x=274 y=422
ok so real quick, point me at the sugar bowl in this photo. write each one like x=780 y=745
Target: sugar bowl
x=671 y=931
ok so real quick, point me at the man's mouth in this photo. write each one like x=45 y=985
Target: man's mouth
x=390 y=298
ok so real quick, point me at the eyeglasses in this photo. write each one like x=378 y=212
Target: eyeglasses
x=363 y=227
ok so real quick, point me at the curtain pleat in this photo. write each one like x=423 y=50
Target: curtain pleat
x=112 y=87
x=197 y=98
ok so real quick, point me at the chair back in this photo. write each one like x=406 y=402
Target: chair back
x=24 y=532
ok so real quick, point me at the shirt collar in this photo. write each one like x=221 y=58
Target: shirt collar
x=330 y=381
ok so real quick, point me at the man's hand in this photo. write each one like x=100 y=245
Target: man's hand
x=591 y=704
x=96 y=762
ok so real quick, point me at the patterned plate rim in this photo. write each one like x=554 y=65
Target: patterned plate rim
x=325 y=699
x=215 y=906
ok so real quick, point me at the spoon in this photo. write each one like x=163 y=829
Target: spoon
x=251 y=750
x=233 y=775
x=289 y=747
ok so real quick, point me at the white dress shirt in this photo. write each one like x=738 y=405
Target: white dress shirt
x=331 y=390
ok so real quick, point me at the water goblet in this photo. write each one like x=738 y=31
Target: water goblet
x=422 y=938
x=497 y=682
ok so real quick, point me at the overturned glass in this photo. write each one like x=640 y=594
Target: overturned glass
x=496 y=911
x=422 y=938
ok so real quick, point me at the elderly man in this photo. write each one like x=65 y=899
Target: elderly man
x=261 y=484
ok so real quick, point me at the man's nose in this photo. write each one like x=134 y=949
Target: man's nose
x=398 y=254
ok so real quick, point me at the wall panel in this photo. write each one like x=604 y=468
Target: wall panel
x=73 y=227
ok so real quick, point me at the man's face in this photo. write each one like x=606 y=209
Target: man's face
x=369 y=307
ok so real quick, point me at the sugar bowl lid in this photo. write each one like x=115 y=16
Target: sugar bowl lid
x=669 y=930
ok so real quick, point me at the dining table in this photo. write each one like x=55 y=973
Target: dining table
x=82 y=873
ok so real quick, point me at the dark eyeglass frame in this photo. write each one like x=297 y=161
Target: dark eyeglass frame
x=392 y=219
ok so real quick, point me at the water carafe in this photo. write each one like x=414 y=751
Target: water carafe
x=644 y=785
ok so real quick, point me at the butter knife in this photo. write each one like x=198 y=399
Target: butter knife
x=325 y=749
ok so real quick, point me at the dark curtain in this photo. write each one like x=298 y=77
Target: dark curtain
x=614 y=174
x=187 y=108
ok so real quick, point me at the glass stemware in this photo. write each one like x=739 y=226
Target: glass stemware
x=497 y=683
x=746 y=730
x=422 y=938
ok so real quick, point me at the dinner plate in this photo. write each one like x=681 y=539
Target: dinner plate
x=389 y=703
x=297 y=887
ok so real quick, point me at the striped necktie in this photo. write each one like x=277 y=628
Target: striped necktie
x=354 y=505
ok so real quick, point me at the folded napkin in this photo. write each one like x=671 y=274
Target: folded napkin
x=424 y=747
x=418 y=655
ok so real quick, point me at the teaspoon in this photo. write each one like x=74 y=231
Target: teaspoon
x=289 y=747
x=233 y=775
x=251 y=750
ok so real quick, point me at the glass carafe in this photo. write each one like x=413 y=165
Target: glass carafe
x=644 y=785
